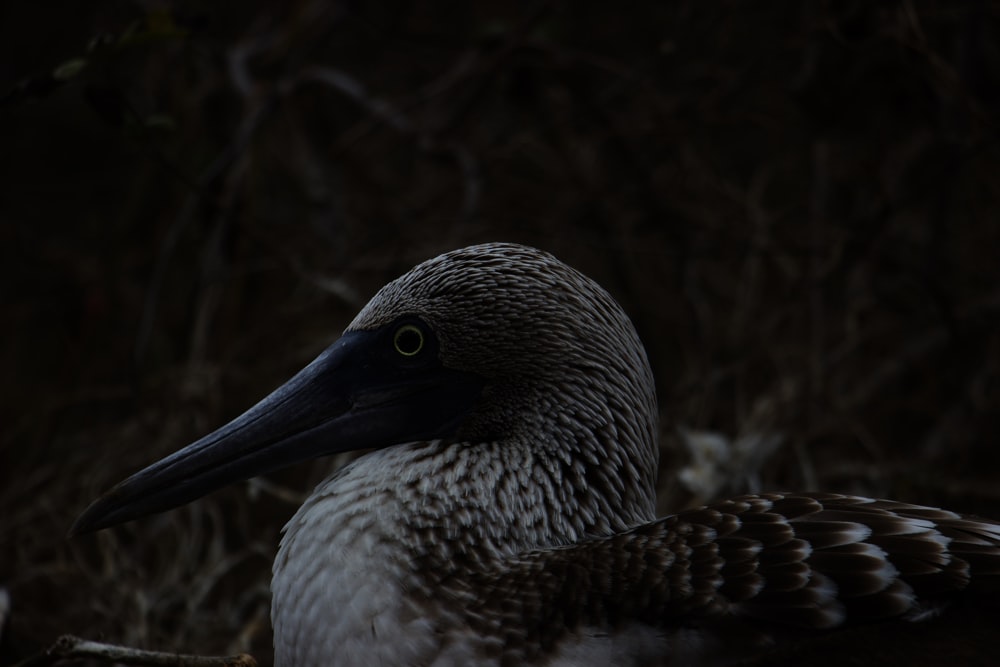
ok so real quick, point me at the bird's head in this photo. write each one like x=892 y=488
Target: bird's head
x=492 y=343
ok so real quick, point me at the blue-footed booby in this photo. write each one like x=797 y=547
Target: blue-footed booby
x=505 y=514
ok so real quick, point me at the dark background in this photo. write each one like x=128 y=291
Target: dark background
x=796 y=202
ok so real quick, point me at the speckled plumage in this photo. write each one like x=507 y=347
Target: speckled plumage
x=496 y=489
x=538 y=546
x=522 y=531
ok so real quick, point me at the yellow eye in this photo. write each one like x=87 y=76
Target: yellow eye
x=409 y=340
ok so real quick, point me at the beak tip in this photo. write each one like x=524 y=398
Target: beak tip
x=104 y=512
x=88 y=522
x=76 y=529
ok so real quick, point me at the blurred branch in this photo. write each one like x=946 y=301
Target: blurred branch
x=218 y=183
x=69 y=646
x=209 y=180
x=905 y=354
x=354 y=90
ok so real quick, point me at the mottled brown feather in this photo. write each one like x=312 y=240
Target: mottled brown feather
x=742 y=558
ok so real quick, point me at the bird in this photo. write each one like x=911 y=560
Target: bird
x=504 y=513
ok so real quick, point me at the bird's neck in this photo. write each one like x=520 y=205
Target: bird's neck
x=374 y=542
x=495 y=498
x=379 y=539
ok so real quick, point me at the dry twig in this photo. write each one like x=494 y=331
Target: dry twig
x=69 y=646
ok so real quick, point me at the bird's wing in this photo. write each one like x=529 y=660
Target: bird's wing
x=808 y=561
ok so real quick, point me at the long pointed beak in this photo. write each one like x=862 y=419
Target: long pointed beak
x=350 y=397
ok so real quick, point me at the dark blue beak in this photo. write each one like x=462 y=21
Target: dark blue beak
x=358 y=394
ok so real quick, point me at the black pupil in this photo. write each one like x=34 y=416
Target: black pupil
x=409 y=341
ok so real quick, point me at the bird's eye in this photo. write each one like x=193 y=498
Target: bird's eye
x=408 y=340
